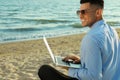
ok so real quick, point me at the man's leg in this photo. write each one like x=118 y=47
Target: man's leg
x=47 y=72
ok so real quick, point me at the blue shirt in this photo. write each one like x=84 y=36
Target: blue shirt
x=99 y=54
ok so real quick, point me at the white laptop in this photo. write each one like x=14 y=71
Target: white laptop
x=57 y=60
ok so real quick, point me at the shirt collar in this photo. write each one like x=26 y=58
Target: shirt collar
x=96 y=26
x=98 y=23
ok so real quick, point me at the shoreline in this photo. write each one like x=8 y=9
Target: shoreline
x=21 y=60
x=48 y=36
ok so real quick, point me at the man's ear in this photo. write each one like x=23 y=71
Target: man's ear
x=99 y=12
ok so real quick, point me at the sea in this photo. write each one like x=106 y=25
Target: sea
x=22 y=20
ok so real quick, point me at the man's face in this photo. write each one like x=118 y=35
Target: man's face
x=87 y=14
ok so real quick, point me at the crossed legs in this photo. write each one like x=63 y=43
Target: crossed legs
x=47 y=72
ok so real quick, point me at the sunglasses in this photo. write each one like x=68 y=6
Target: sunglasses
x=81 y=12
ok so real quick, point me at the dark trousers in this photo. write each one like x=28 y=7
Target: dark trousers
x=47 y=72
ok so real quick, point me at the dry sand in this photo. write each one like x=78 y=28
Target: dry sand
x=21 y=60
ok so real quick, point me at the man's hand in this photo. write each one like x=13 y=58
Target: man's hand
x=73 y=57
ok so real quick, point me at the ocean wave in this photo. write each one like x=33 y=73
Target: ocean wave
x=76 y=25
x=26 y=29
x=112 y=23
x=20 y=29
x=42 y=21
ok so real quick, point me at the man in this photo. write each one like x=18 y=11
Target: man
x=99 y=54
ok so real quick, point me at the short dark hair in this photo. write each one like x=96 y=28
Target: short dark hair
x=99 y=3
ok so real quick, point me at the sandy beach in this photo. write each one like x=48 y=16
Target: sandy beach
x=21 y=60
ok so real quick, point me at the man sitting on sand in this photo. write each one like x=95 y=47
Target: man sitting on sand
x=99 y=54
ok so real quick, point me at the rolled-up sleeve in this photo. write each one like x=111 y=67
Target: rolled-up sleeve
x=91 y=61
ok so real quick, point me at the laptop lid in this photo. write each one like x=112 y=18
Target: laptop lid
x=49 y=49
